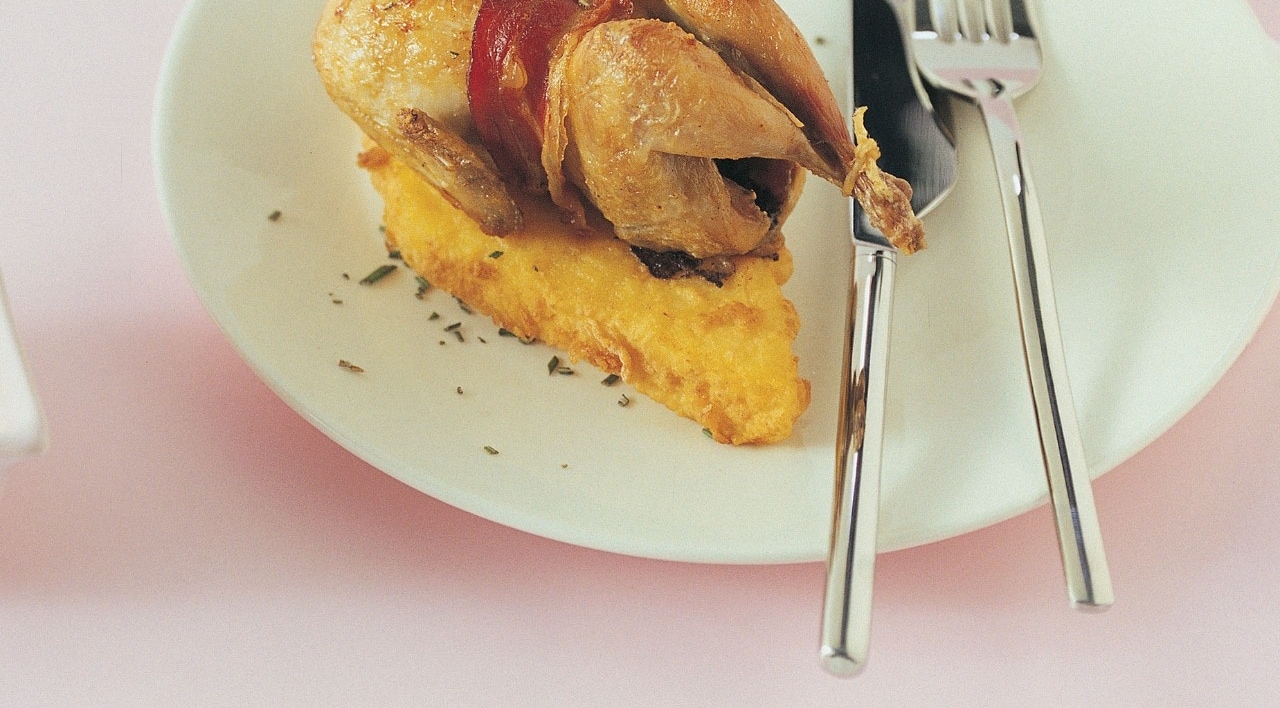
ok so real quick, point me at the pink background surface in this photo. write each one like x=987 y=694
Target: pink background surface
x=189 y=540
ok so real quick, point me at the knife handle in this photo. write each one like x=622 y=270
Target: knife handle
x=846 y=616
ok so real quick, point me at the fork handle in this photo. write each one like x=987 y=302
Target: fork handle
x=846 y=615
x=1070 y=492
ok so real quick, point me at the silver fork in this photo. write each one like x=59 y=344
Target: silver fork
x=987 y=51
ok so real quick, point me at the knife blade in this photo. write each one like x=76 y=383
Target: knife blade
x=900 y=118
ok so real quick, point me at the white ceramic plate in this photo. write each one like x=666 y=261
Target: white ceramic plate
x=1159 y=168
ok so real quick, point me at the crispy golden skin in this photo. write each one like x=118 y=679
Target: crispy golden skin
x=720 y=356
x=642 y=114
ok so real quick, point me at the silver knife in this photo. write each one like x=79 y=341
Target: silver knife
x=900 y=118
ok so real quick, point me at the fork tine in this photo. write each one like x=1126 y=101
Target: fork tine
x=972 y=24
x=943 y=17
x=999 y=19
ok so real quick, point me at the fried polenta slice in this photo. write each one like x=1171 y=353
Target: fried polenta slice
x=718 y=355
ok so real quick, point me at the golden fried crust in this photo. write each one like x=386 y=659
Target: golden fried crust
x=720 y=356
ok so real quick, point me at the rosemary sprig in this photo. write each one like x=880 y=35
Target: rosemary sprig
x=379 y=273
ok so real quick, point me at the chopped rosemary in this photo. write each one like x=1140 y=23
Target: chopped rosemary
x=379 y=273
x=707 y=432
x=624 y=401
x=458 y=333
x=502 y=332
x=394 y=255
x=496 y=254
x=434 y=316
x=423 y=287
x=453 y=326
x=482 y=340
x=462 y=305
x=555 y=367
x=349 y=366
x=274 y=216
x=459 y=390
x=489 y=449
x=611 y=379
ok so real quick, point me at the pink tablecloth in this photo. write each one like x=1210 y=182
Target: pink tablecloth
x=189 y=540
